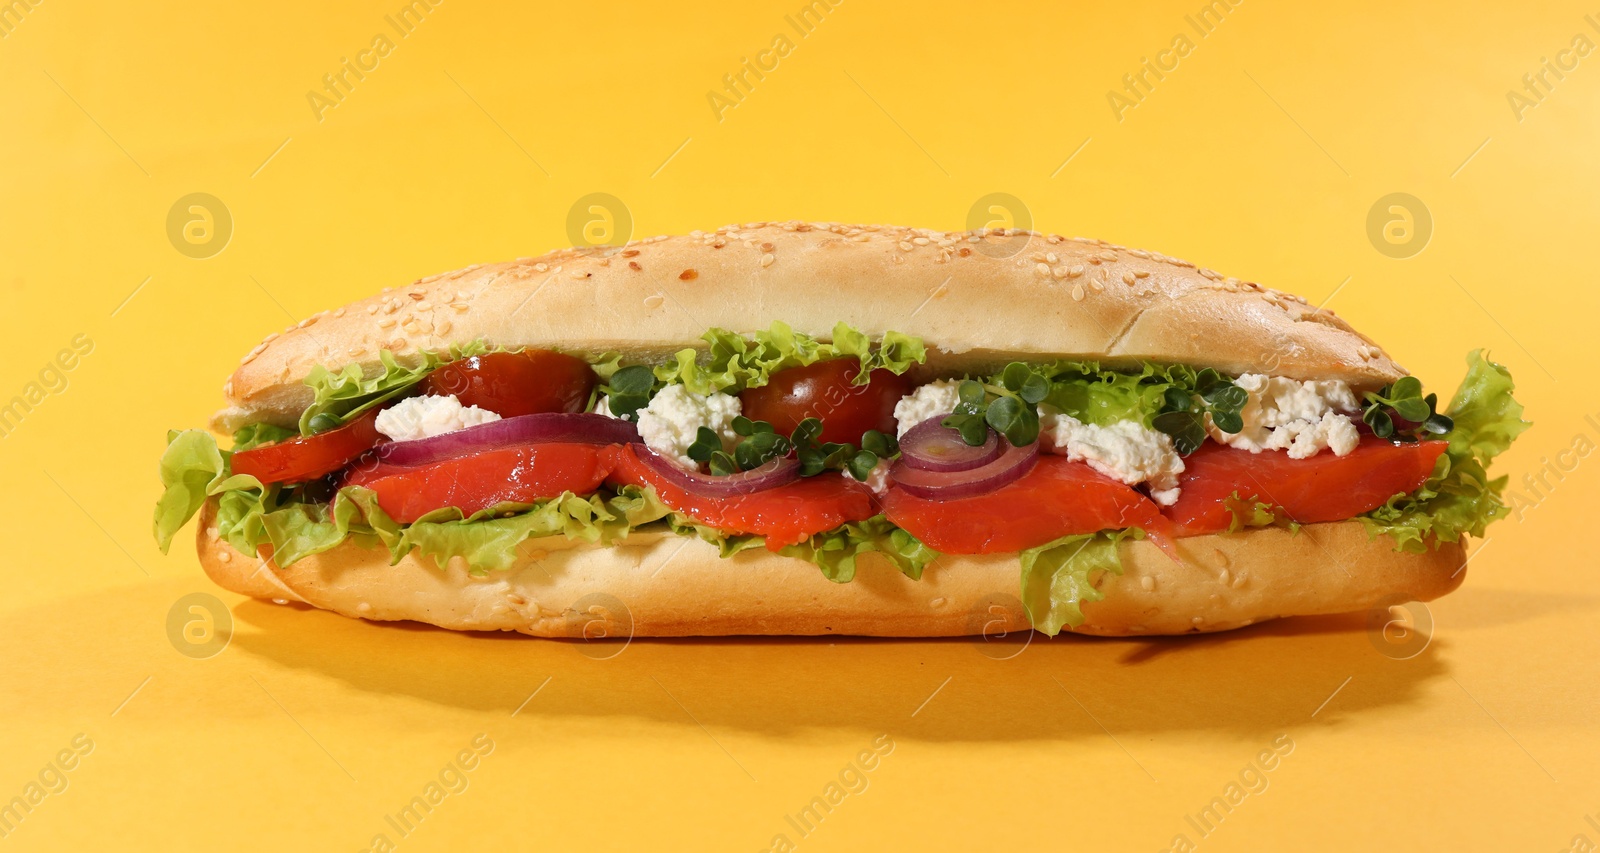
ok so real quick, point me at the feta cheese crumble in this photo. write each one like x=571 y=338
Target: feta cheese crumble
x=425 y=417
x=928 y=401
x=675 y=415
x=1125 y=451
x=1300 y=417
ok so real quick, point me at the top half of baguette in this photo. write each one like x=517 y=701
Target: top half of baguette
x=978 y=299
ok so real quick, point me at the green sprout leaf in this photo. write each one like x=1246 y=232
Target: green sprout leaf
x=721 y=464
x=1187 y=429
x=706 y=442
x=630 y=390
x=882 y=445
x=861 y=464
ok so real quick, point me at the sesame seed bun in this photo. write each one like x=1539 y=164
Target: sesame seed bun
x=978 y=299
x=663 y=585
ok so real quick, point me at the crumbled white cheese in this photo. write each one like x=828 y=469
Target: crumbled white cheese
x=1125 y=451
x=602 y=406
x=425 y=417
x=1300 y=417
x=877 y=479
x=675 y=415
x=928 y=401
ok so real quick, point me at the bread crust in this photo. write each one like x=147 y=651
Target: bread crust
x=979 y=299
x=663 y=585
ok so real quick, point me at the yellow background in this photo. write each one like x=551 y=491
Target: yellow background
x=1260 y=155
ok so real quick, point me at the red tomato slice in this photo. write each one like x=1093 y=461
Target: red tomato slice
x=786 y=515
x=481 y=480
x=1324 y=487
x=311 y=456
x=1057 y=498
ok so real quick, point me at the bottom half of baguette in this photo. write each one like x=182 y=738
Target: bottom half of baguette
x=659 y=584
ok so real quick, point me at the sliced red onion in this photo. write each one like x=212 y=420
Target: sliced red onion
x=575 y=427
x=769 y=474
x=1012 y=463
x=931 y=446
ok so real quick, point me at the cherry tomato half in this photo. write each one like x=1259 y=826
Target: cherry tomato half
x=311 y=456
x=825 y=391
x=516 y=383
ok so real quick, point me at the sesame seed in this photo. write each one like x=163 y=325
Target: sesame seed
x=1077 y=293
x=1059 y=272
x=767 y=259
x=372 y=309
x=442 y=327
x=653 y=301
x=766 y=247
x=417 y=295
x=1052 y=257
x=224 y=556
x=424 y=305
x=634 y=265
x=1149 y=583
x=339 y=313
x=905 y=246
x=1041 y=269
x=1141 y=274
x=688 y=275
x=920 y=241
x=1076 y=271
x=963 y=251
x=386 y=323
x=1128 y=278
x=460 y=306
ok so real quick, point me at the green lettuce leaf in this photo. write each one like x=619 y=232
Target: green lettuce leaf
x=835 y=551
x=1058 y=576
x=1096 y=395
x=1254 y=512
x=736 y=362
x=488 y=540
x=1459 y=498
x=255 y=435
x=191 y=469
x=339 y=396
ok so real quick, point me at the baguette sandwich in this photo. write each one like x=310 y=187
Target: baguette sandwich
x=792 y=428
